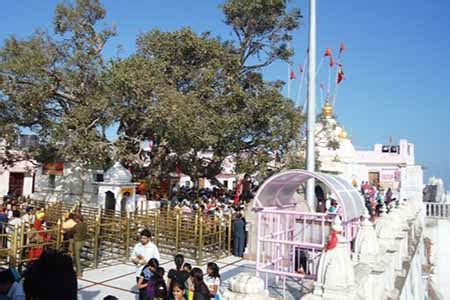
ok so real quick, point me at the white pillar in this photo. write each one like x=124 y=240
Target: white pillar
x=310 y=151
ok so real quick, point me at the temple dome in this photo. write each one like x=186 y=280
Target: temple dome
x=327 y=110
x=117 y=174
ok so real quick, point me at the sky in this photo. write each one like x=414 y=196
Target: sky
x=396 y=62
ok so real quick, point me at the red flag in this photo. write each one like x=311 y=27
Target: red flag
x=340 y=75
x=301 y=69
x=328 y=52
x=292 y=75
x=341 y=48
x=332 y=242
x=331 y=61
x=239 y=187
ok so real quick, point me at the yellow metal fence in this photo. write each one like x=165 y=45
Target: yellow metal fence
x=112 y=235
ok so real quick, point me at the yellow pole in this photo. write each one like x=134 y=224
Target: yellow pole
x=96 y=239
x=200 y=249
x=13 y=250
x=229 y=234
x=195 y=232
x=177 y=231
x=59 y=234
x=219 y=225
x=127 y=237
x=157 y=221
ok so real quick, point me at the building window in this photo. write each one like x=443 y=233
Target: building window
x=51 y=181
x=98 y=177
x=225 y=184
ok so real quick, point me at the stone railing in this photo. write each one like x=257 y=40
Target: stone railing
x=437 y=210
x=386 y=262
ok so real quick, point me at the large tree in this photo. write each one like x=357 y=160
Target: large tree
x=196 y=98
x=53 y=85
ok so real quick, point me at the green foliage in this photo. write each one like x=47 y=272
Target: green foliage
x=197 y=98
x=263 y=29
x=54 y=86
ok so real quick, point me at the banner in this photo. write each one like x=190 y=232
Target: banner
x=53 y=169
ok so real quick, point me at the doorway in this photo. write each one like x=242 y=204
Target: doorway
x=374 y=178
x=16 y=184
x=110 y=201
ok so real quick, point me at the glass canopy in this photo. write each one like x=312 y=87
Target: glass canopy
x=278 y=192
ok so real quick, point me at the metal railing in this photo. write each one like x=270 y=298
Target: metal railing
x=112 y=235
x=437 y=210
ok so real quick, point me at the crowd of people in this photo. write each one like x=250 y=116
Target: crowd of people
x=183 y=282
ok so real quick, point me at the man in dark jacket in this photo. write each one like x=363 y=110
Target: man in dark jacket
x=238 y=236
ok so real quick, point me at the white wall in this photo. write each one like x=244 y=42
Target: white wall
x=438 y=232
x=76 y=184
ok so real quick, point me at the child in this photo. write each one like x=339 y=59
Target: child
x=178 y=291
x=156 y=287
x=190 y=285
x=212 y=279
x=146 y=274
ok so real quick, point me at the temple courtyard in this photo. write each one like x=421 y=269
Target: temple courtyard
x=119 y=280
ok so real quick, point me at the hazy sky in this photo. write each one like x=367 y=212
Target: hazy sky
x=396 y=63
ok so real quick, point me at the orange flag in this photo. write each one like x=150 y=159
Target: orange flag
x=328 y=52
x=331 y=61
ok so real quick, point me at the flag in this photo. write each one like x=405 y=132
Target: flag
x=332 y=241
x=292 y=75
x=300 y=68
x=341 y=48
x=340 y=75
x=328 y=52
x=331 y=61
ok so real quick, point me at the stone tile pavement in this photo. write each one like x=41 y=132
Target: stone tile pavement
x=120 y=281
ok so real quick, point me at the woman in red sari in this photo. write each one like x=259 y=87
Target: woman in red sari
x=38 y=236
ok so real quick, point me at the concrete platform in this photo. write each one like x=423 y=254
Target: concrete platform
x=120 y=281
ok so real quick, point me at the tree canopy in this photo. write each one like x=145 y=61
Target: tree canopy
x=193 y=99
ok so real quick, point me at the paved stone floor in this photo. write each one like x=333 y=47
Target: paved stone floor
x=119 y=280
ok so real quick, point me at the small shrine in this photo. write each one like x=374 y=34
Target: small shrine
x=117 y=192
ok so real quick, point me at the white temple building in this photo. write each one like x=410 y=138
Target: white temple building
x=387 y=166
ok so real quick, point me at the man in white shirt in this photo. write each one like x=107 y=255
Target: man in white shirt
x=143 y=252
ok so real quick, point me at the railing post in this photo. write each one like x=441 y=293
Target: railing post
x=97 y=239
x=200 y=241
x=157 y=222
x=196 y=218
x=127 y=237
x=59 y=234
x=13 y=249
x=230 y=223
x=177 y=231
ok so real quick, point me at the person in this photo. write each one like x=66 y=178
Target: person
x=212 y=279
x=143 y=252
x=128 y=203
x=178 y=291
x=3 y=225
x=187 y=267
x=146 y=275
x=333 y=207
x=238 y=235
x=38 y=236
x=201 y=291
x=51 y=277
x=156 y=287
x=80 y=232
x=388 y=196
x=179 y=274
x=9 y=287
